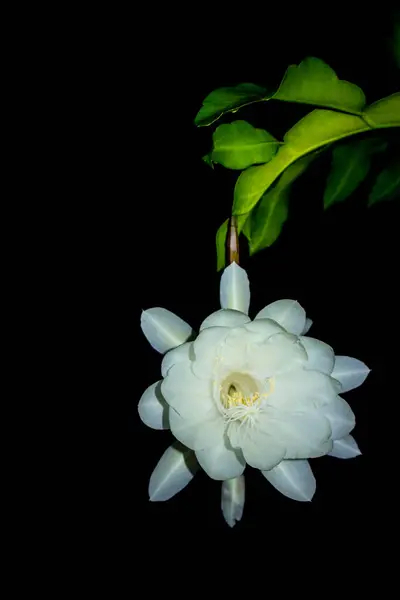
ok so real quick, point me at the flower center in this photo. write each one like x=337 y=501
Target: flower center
x=239 y=390
x=241 y=397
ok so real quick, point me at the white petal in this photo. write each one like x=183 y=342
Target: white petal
x=231 y=356
x=179 y=354
x=287 y=313
x=208 y=340
x=294 y=479
x=341 y=418
x=221 y=461
x=183 y=391
x=235 y=289
x=351 y=372
x=304 y=435
x=175 y=469
x=163 y=329
x=320 y=356
x=207 y=351
x=261 y=450
x=153 y=409
x=307 y=326
x=345 y=448
x=225 y=318
x=264 y=328
x=197 y=434
x=300 y=390
x=280 y=354
x=232 y=499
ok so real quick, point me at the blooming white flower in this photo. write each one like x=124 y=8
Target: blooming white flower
x=247 y=392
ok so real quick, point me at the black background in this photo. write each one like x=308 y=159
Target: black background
x=166 y=207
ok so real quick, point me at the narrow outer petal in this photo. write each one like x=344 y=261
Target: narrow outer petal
x=163 y=329
x=235 y=289
x=346 y=447
x=221 y=461
x=153 y=409
x=294 y=479
x=287 y=313
x=350 y=372
x=175 y=469
x=232 y=499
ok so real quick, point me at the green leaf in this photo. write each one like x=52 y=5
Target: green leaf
x=385 y=112
x=310 y=82
x=314 y=82
x=387 y=184
x=244 y=224
x=221 y=244
x=271 y=212
x=350 y=166
x=238 y=145
x=317 y=130
x=228 y=99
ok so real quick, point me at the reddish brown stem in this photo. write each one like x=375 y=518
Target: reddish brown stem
x=232 y=242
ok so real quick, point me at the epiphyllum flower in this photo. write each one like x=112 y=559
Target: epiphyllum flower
x=248 y=392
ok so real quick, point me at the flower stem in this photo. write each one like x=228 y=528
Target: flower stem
x=232 y=242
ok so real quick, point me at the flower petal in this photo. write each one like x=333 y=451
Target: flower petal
x=189 y=396
x=301 y=389
x=208 y=339
x=179 y=354
x=264 y=328
x=163 y=329
x=152 y=407
x=294 y=479
x=280 y=354
x=261 y=450
x=232 y=499
x=225 y=317
x=341 y=418
x=350 y=372
x=230 y=356
x=175 y=469
x=200 y=433
x=287 y=313
x=346 y=447
x=207 y=349
x=321 y=357
x=221 y=461
x=304 y=435
x=235 y=289
x=307 y=326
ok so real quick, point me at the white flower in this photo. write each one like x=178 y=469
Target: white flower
x=248 y=392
